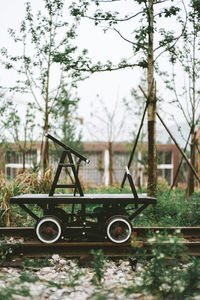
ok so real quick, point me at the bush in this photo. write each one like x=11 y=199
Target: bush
x=171 y=210
x=170 y=273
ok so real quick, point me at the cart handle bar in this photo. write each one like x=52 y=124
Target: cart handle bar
x=67 y=147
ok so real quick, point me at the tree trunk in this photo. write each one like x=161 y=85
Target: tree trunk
x=110 y=163
x=46 y=121
x=193 y=103
x=192 y=160
x=23 y=161
x=46 y=144
x=152 y=153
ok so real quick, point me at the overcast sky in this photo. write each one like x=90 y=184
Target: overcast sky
x=110 y=86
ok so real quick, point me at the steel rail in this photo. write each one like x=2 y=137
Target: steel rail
x=80 y=249
x=29 y=232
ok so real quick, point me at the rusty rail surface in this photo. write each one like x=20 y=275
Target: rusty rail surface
x=78 y=249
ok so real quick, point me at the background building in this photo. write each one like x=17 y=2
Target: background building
x=97 y=171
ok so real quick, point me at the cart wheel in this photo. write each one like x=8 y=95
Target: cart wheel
x=118 y=229
x=48 y=229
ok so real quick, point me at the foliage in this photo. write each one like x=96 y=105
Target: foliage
x=32 y=182
x=24 y=183
x=163 y=267
x=114 y=189
x=27 y=276
x=137 y=16
x=37 y=263
x=164 y=275
x=7 y=190
x=146 y=17
x=192 y=278
x=7 y=248
x=21 y=131
x=66 y=122
x=41 y=35
x=71 y=281
x=100 y=294
x=186 y=61
x=10 y=291
x=98 y=265
x=172 y=208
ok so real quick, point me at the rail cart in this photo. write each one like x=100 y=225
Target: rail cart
x=77 y=217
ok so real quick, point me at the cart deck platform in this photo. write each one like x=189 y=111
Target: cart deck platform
x=87 y=199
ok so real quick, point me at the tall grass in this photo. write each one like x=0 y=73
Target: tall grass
x=25 y=183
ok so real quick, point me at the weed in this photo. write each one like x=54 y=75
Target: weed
x=9 y=292
x=162 y=272
x=38 y=263
x=27 y=276
x=100 y=295
x=6 y=248
x=73 y=277
x=72 y=281
x=58 y=285
x=164 y=276
x=191 y=278
x=98 y=265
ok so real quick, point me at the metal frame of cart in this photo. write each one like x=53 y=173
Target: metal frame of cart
x=91 y=217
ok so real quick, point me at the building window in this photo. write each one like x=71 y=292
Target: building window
x=94 y=171
x=11 y=172
x=164 y=157
x=120 y=160
x=31 y=157
x=15 y=157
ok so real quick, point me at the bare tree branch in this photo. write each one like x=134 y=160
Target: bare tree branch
x=125 y=39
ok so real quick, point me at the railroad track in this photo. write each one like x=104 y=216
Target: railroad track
x=33 y=248
x=29 y=232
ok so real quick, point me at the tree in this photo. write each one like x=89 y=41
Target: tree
x=20 y=131
x=40 y=36
x=187 y=57
x=144 y=15
x=67 y=124
x=66 y=119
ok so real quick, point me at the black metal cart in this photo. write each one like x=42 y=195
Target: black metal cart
x=91 y=217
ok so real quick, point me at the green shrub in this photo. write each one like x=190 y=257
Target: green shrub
x=170 y=273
